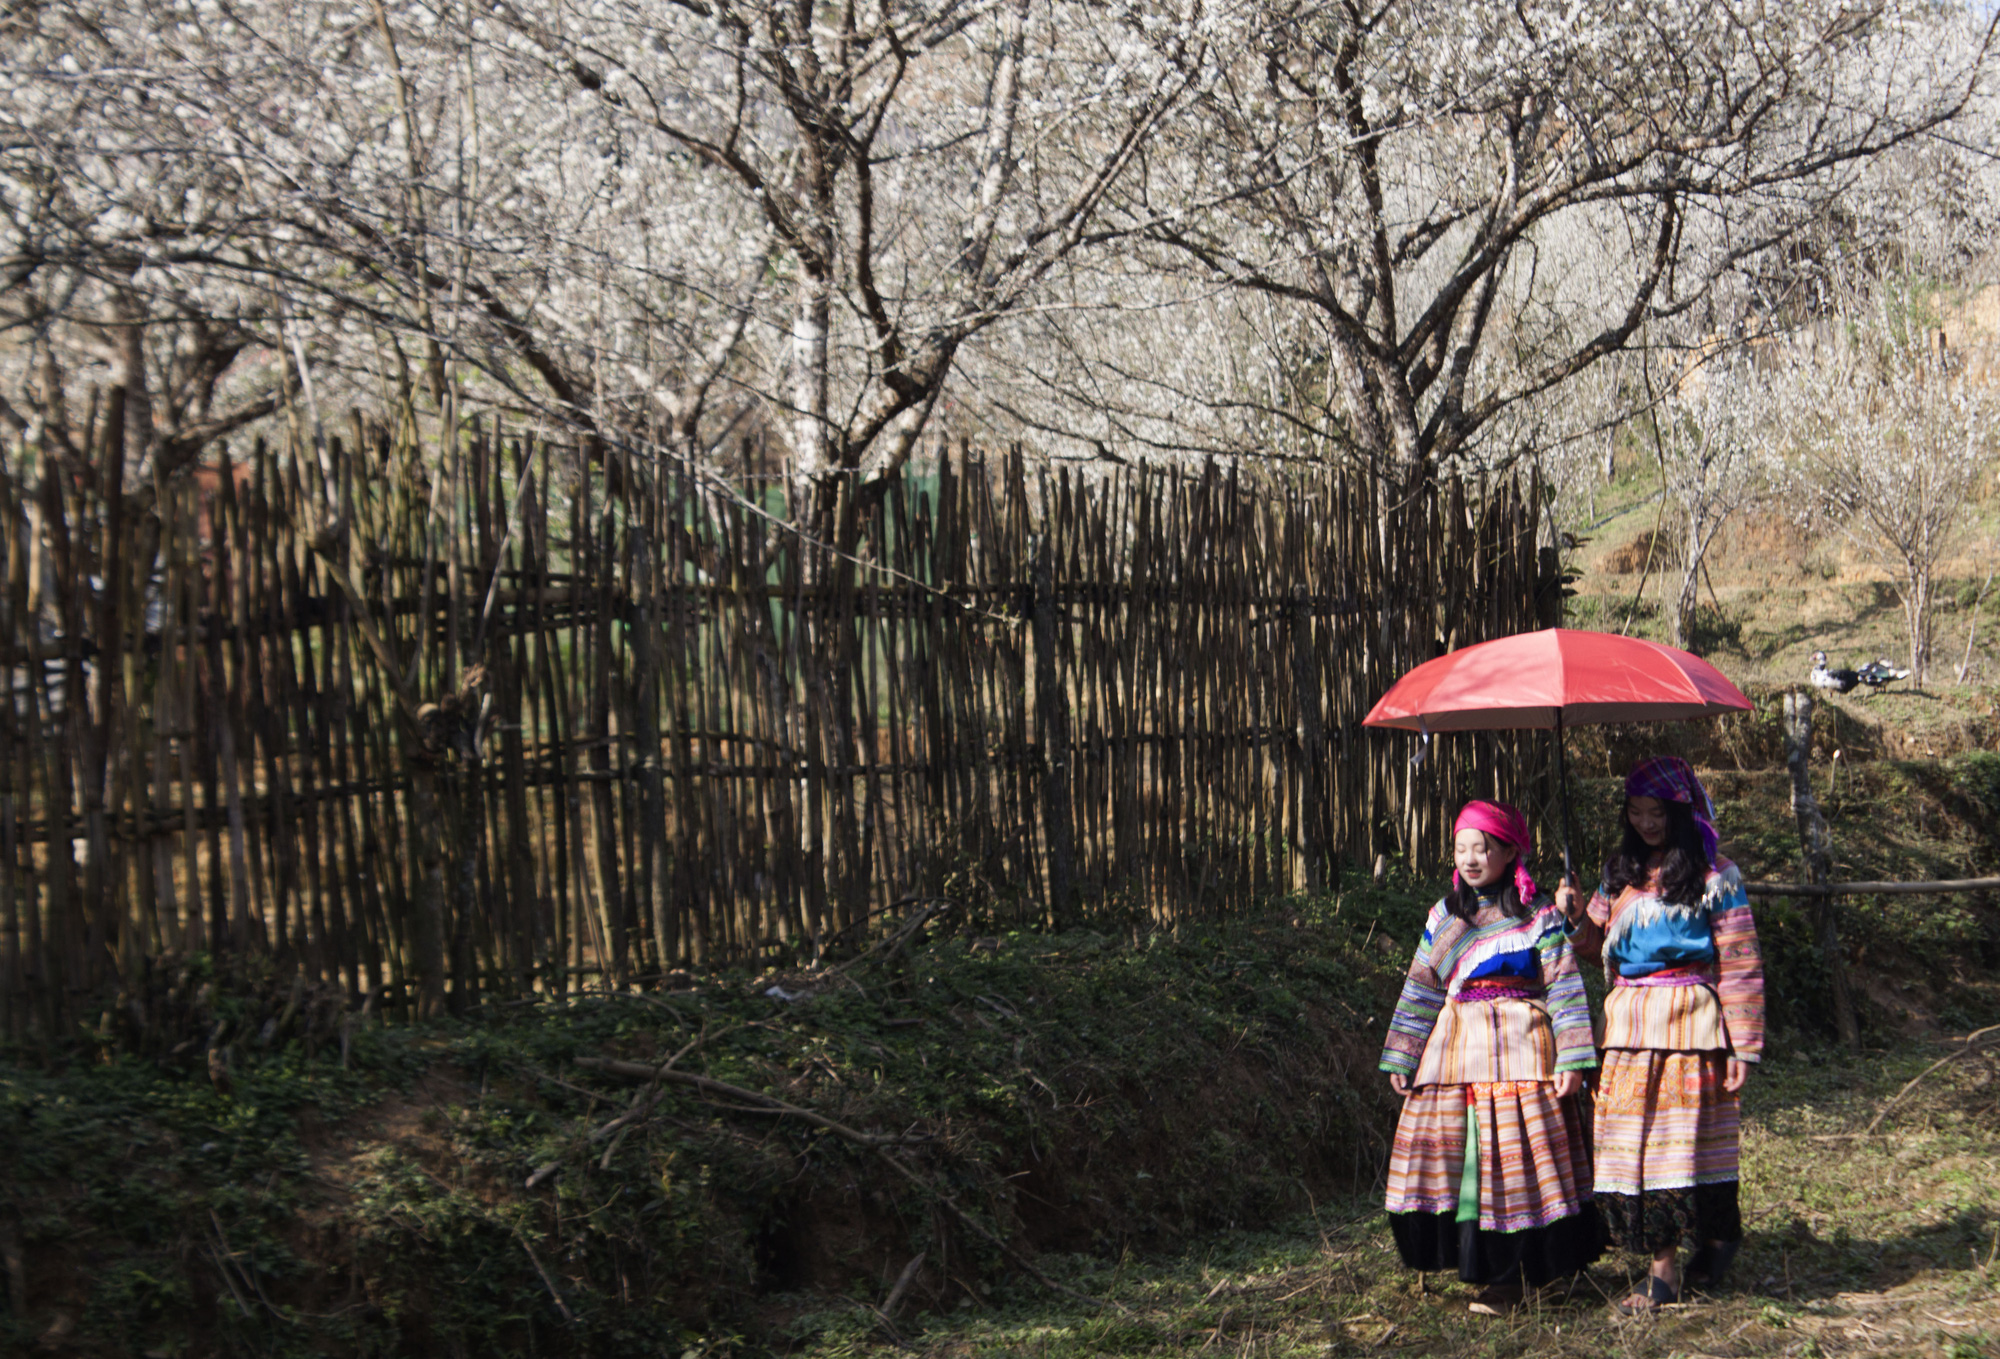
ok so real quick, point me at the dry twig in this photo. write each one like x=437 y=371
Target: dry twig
x=1969 y=1040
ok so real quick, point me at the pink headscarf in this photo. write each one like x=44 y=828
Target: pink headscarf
x=1502 y=822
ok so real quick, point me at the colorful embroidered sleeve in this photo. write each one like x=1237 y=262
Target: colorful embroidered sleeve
x=1562 y=986
x=1586 y=937
x=1739 y=962
x=1417 y=1009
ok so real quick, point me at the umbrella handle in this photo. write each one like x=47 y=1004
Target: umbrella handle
x=1562 y=794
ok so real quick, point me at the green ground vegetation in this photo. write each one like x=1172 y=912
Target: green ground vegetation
x=1184 y=1126
x=1857 y=1245
x=478 y=1187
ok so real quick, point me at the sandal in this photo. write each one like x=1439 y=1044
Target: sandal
x=1495 y=1300
x=1707 y=1267
x=1649 y=1297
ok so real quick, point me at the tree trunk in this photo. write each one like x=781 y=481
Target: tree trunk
x=1972 y=628
x=811 y=460
x=1813 y=850
x=1680 y=621
x=1917 y=612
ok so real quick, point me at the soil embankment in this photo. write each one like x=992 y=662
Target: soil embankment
x=485 y=1188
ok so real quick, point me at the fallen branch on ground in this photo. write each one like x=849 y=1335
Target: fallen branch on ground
x=880 y=1143
x=647 y=1071
x=1969 y=1042
x=642 y=1104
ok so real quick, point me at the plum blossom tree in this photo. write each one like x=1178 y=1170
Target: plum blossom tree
x=1713 y=434
x=274 y=202
x=919 y=169
x=654 y=224
x=1397 y=234
x=1417 y=178
x=1887 y=443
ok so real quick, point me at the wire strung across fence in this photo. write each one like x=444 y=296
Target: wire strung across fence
x=516 y=724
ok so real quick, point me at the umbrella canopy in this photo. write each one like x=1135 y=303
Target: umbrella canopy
x=1555 y=678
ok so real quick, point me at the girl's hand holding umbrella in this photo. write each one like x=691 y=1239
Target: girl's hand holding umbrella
x=1570 y=902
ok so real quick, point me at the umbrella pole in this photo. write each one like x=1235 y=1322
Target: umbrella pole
x=1562 y=795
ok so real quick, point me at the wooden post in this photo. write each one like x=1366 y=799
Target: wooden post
x=1312 y=740
x=16 y=901
x=1813 y=849
x=1052 y=717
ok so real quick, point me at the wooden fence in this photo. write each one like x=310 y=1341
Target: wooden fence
x=515 y=722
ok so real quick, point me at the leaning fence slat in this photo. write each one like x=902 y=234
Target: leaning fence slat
x=16 y=899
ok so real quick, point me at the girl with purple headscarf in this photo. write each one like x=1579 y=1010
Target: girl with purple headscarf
x=1490 y=1172
x=1671 y=925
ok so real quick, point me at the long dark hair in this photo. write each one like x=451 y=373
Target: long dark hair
x=1684 y=871
x=1463 y=900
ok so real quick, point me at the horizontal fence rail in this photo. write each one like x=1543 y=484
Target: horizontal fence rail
x=1870 y=889
x=490 y=721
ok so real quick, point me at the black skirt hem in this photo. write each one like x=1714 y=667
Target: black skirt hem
x=1654 y=1220
x=1439 y=1243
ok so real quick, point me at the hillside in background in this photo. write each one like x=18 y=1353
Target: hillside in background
x=1776 y=590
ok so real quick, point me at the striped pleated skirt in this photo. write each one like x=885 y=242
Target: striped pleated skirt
x=1518 y=1206
x=1667 y=1149
x=1667 y=1131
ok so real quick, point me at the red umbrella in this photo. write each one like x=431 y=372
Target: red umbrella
x=1552 y=679
x=1555 y=678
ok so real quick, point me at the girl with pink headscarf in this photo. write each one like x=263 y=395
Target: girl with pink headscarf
x=1490 y=1173
x=1683 y=1022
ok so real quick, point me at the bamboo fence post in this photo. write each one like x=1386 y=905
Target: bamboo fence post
x=68 y=973
x=15 y=900
x=1052 y=712
x=41 y=974
x=522 y=840
x=597 y=677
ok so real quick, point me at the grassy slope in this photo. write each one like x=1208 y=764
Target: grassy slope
x=1066 y=1093
x=1774 y=596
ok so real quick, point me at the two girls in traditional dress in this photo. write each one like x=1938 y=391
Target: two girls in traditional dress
x=1683 y=1021
x=1490 y=1175
x=1492 y=1171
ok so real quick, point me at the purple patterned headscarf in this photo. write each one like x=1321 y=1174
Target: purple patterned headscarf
x=1672 y=779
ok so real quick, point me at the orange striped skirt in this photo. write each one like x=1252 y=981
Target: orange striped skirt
x=1664 y=1122
x=1533 y=1153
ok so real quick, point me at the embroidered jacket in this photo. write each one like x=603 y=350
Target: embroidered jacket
x=1684 y=978
x=1491 y=999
